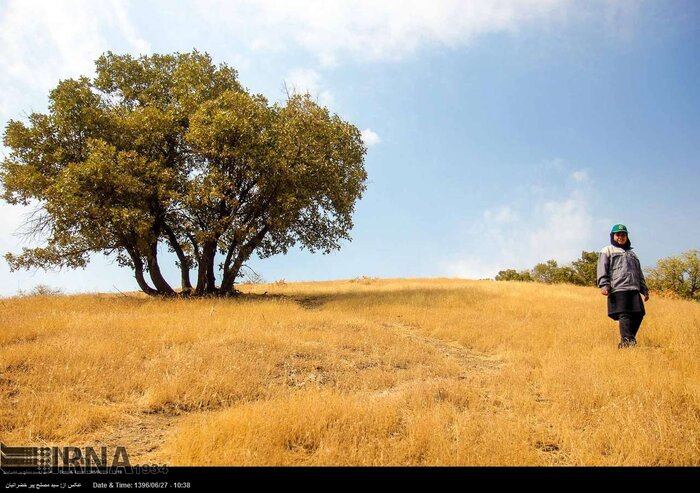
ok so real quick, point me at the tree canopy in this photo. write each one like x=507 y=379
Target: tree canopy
x=172 y=150
x=679 y=275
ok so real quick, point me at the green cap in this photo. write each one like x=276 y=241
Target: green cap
x=619 y=228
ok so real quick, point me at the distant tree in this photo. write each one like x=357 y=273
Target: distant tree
x=547 y=272
x=171 y=149
x=582 y=272
x=679 y=274
x=42 y=290
x=513 y=275
x=550 y=272
x=566 y=275
x=586 y=269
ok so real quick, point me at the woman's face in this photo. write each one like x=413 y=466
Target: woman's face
x=620 y=238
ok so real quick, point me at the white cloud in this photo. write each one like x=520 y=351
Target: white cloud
x=370 y=137
x=473 y=268
x=562 y=227
x=303 y=80
x=372 y=29
x=502 y=214
x=580 y=175
x=44 y=42
x=550 y=222
x=306 y=80
x=120 y=17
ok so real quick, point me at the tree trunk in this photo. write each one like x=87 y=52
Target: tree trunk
x=154 y=270
x=211 y=277
x=229 y=279
x=206 y=281
x=138 y=273
x=184 y=261
x=244 y=253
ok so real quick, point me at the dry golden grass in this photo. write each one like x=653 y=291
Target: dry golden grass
x=364 y=372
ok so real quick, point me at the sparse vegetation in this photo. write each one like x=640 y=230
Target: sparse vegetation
x=392 y=372
x=41 y=290
x=364 y=279
x=250 y=276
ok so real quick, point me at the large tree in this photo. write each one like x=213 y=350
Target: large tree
x=172 y=150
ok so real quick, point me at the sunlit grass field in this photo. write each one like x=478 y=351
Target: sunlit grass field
x=360 y=372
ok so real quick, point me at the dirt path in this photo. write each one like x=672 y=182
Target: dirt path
x=470 y=362
x=143 y=435
x=468 y=359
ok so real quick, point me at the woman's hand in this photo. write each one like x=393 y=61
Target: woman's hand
x=604 y=291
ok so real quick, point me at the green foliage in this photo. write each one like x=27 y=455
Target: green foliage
x=586 y=269
x=547 y=272
x=679 y=275
x=171 y=149
x=513 y=275
x=581 y=272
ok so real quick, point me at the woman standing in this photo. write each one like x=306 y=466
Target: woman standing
x=620 y=278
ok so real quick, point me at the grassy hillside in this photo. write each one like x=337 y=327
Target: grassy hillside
x=371 y=372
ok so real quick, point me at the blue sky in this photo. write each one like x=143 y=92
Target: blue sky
x=500 y=133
